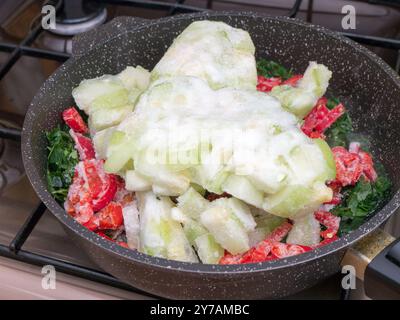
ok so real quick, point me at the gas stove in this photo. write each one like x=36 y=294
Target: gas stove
x=30 y=237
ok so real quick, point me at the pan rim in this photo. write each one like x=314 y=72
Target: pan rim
x=176 y=266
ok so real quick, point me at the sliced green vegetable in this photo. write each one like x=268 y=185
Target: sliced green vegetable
x=135 y=78
x=104 y=118
x=306 y=231
x=301 y=99
x=110 y=98
x=208 y=250
x=226 y=229
x=241 y=188
x=239 y=209
x=119 y=152
x=266 y=223
x=212 y=51
x=297 y=200
x=330 y=172
x=134 y=181
x=192 y=203
x=100 y=142
x=160 y=235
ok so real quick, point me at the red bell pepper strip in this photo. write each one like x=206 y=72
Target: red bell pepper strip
x=327 y=240
x=330 y=118
x=259 y=253
x=79 y=201
x=280 y=232
x=229 y=258
x=293 y=80
x=367 y=166
x=328 y=234
x=267 y=84
x=83 y=145
x=283 y=250
x=316 y=135
x=335 y=185
x=318 y=113
x=121 y=243
x=84 y=213
x=74 y=120
x=265 y=251
x=367 y=163
x=336 y=198
x=102 y=185
x=110 y=217
x=348 y=166
x=92 y=224
x=351 y=165
x=91 y=190
x=329 y=220
x=321 y=118
x=321 y=101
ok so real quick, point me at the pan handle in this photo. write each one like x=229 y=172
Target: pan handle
x=86 y=41
x=376 y=259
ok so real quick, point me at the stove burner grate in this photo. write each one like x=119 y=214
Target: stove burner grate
x=11 y=167
x=77 y=16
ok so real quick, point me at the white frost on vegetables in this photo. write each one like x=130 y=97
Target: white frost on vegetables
x=226 y=134
x=198 y=119
x=213 y=51
x=160 y=235
x=110 y=98
x=306 y=231
x=131 y=222
x=302 y=98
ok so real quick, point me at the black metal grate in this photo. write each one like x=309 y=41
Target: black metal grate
x=14 y=249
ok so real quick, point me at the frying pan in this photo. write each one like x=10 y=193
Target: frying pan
x=361 y=80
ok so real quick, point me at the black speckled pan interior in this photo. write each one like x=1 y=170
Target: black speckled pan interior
x=361 y=80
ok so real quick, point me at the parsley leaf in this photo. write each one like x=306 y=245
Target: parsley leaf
x=269 y=69
x=61 y=161
x=360 y=201
x=337 y=133
x=332 y=102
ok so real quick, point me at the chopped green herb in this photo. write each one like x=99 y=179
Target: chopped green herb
x=360 y=201
x=337 y=134
x=61 y=161
x=332 y=102
x=269 y=69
